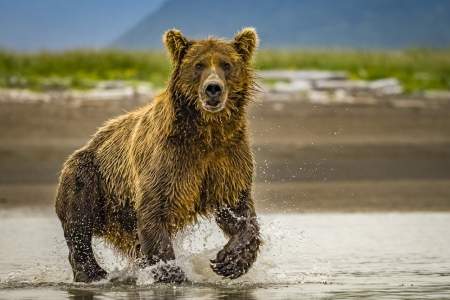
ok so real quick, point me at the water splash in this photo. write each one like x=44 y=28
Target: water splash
x=280 y=261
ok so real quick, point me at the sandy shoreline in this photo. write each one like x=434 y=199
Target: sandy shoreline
x=291 y=197
x=309 y=158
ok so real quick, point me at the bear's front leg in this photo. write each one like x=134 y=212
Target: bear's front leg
x=156 y=247
x=241 y=225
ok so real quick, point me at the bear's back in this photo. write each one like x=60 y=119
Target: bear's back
x=111 y=145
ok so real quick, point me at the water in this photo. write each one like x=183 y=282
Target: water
x=329 y=256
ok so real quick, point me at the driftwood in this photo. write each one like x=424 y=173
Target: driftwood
x=310 y=75
x=103 y=92
x=307 y=82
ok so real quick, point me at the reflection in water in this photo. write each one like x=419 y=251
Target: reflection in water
x=167 y=293
x=80 y=294
x=312 y=255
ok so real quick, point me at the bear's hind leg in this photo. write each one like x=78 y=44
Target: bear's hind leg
x=81 y=256
x=78 y=208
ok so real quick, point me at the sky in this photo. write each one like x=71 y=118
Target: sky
x=63 y=24
x=33 y=25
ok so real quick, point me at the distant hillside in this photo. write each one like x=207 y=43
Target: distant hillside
x=305 y=23
x=63 y=24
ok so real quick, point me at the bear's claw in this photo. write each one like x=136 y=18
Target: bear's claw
x=168 y=273
x=236 y=258
x=89 y=276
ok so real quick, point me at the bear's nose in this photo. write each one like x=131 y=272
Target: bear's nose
x=213 y=90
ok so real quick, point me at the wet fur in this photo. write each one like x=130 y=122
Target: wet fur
x=147 y=174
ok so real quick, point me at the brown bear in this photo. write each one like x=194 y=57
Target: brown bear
x=150 y=172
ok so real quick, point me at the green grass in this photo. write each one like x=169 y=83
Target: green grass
x=80 y=68
x=416 y=69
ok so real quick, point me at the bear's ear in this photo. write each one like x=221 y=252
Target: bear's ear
x=176 y=43
x=245 y=42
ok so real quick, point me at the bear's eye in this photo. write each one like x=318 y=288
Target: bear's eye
x=226 y=66
x=199 y=66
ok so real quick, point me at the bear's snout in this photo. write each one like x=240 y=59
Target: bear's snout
x=213 y=95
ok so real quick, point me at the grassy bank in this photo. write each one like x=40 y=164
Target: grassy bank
x=416 y=69
x=80 y=68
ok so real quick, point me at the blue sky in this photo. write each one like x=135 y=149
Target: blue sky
x=63 y=24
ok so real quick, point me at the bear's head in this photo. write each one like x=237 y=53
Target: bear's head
x=213 y=74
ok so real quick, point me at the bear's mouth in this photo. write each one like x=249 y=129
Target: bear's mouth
x=213 y=107
x=213 y=104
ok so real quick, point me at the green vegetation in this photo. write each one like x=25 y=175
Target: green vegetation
x=416 y=69
x=80 y=68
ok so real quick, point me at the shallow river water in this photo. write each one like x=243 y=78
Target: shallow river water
x=331 y=256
